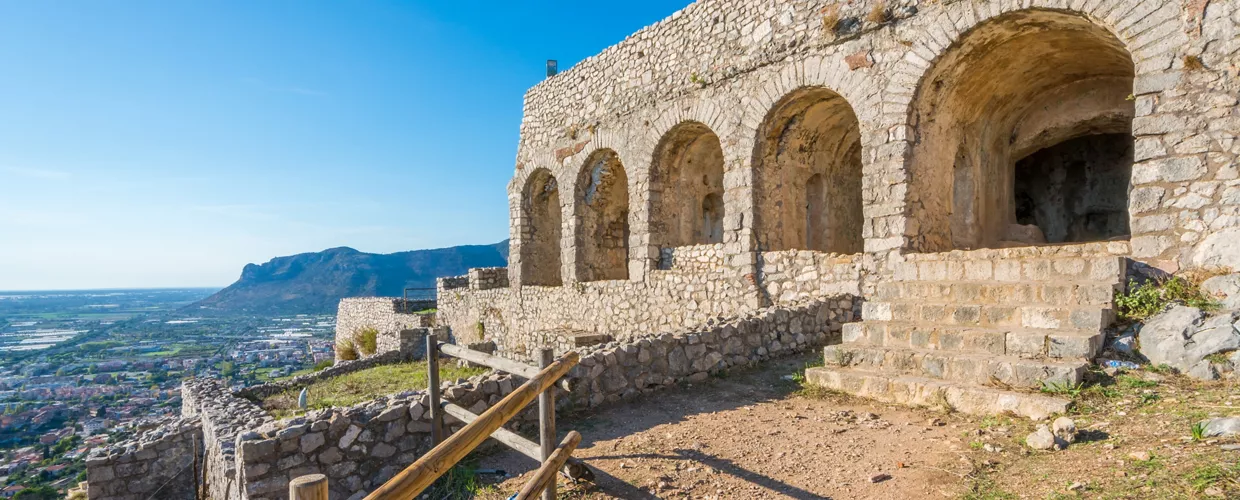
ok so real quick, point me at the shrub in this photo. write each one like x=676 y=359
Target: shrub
x=1143 y=300
x=346 y=350
x=323 y=365
x=366 y=340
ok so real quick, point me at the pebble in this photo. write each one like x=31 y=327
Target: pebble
x=878 y=478
x=1142 y=456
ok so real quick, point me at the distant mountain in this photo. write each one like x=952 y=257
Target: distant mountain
x=312 y=283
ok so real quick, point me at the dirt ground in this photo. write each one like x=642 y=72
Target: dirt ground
x=749 y=436
x=758 y=434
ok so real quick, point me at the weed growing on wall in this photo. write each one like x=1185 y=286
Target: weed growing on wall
x=1143 y=300
x=366 y=340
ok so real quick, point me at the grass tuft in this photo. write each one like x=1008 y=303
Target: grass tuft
x=1198 y=430
x=366 y=340
x=1193 y=63
x=879 y=14
x=830 y=18
x=346 y=350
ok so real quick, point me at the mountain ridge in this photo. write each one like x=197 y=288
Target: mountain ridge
x=314 y=282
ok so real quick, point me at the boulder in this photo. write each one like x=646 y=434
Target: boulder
x=1226 y=288
x=1041 y=439
x=1222 y=427
x=1182 y=337
x=1218 y=250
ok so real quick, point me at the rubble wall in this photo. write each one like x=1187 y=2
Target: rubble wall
x=156 y=463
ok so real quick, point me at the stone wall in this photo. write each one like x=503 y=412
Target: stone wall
x=698 y=283
x=757 y=78
x=224 y=418
x=386 y=315
x=156 y=463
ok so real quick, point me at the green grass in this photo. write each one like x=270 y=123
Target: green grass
x=1131 y=382
x=359 y=386
x=1143 y=300
x=1062 y=388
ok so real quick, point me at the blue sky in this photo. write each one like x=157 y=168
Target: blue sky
x=165 y=144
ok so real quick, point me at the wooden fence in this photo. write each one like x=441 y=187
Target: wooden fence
x=448 y=450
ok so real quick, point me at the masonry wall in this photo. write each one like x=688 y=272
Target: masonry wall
x=224 y=418
x=386 y=315
x=156 y=463
x=699 y=283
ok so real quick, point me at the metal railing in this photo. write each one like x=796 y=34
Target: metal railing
x=415 y=299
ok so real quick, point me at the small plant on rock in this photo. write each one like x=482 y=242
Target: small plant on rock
x=879 y=13
x=1143 y=300
x=830 y=18
x=366 y=340
x=345 y=350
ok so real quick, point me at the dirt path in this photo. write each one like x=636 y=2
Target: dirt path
x=750 y=436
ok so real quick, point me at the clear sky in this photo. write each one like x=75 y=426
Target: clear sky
x=167 y=144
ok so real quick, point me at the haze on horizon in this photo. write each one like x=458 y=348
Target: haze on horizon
x=167 y=144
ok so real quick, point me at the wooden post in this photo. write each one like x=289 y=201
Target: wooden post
x=544 y=478
x=408 y=483
x=546 y=419
x=311 y=487
x=432 y=387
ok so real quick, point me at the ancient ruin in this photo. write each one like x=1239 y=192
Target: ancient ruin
x=944 y=195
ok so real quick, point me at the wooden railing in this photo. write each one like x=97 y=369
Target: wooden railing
x=410 y=482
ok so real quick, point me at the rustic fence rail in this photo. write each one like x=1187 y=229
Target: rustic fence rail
x=449 y=450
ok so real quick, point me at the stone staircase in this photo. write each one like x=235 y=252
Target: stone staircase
x=980 y=330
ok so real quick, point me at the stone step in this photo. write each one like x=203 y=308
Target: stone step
x=1018 y=342
x=993 y=265
x=1063 y=293
x=976 y=369
x=918 y=391
x=1092 y=318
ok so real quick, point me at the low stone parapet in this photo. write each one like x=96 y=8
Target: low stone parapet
x=156 y=463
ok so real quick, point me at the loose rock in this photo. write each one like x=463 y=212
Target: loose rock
x=1064 y=429
x=1041 y=439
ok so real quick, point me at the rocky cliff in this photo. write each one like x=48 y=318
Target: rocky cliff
x=311 y=283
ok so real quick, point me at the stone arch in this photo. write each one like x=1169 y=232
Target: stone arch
x=1021 y=132
x=811 y=133
x=541 y=230
x=601 y=199
x=686 y=187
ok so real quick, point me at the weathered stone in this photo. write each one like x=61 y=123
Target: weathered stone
x=1182 y=337
x=1221 y=427
x=1225 y=288
x=1064 y=429
x=350 y=435
x=1041 y=439
x=312 y=441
